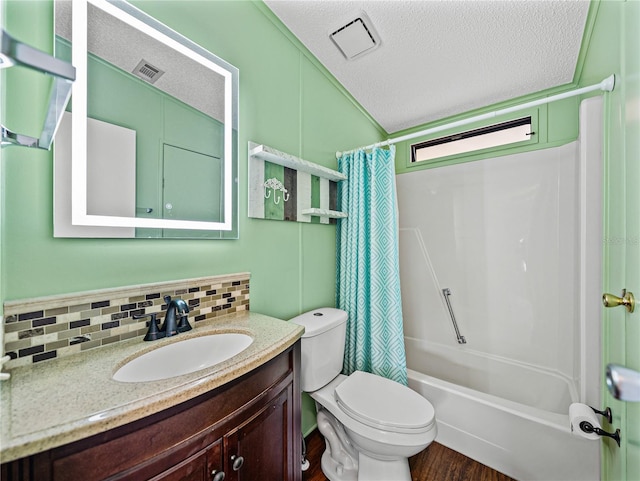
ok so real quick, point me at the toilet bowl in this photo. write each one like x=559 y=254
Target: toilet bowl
x=384 y=437
x=371 y=425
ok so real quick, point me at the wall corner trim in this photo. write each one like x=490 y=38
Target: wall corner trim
x=273 y=18
x=592 y=15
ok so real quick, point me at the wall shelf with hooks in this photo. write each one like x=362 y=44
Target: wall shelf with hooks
x=285 y=187
x=274 y=156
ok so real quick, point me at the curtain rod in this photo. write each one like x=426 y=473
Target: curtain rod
x=606 y=86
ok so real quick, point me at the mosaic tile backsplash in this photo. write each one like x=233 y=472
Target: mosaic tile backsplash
x=39 y=329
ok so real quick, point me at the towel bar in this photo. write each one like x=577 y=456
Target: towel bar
x=16 y=53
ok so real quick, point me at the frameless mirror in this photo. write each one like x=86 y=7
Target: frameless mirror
x=149 y=147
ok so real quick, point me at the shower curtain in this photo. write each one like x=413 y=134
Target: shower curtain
x=368 y=278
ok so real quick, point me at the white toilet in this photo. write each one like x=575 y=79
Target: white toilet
x=371 y=425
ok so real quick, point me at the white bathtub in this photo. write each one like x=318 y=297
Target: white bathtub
x=481 y=412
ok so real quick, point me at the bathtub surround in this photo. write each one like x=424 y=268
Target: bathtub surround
x=368 y=285
x=517 y=239
x=46 y=328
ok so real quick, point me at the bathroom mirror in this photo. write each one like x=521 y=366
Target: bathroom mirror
x=149 y=147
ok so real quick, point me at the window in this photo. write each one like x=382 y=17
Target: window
x=483 y=138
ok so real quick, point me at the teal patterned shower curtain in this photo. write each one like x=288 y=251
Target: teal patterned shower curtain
x=368 y=277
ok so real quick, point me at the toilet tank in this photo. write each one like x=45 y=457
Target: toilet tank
x=322 y=346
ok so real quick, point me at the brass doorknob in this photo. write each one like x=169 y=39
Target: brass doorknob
x=627 y=300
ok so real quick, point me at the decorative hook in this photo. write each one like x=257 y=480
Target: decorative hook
x=275 y=185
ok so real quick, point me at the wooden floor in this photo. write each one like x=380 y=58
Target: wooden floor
x=436 y=463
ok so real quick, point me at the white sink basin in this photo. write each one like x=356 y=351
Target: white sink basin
x=183 y=357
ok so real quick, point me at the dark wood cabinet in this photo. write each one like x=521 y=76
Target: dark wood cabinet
x=248 y=429
x=259 y=442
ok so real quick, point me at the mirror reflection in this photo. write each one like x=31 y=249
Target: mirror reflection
x=159 y=125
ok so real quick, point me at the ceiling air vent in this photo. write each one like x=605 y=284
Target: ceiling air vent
x=147 y=72
x=356 y=38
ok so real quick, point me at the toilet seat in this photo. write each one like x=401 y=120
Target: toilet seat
x=384 y=404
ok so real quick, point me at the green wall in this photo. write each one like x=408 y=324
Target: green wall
x=287 y=101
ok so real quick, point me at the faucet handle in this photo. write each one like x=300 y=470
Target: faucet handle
x=153 y=333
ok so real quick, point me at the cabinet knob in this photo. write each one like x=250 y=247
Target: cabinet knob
x=217 y=475
x=237 y=461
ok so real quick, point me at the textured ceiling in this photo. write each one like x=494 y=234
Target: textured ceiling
x=442 y=57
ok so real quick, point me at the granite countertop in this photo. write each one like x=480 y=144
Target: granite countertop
x=57 y=402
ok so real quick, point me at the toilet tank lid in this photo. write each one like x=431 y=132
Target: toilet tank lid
x=320 y=320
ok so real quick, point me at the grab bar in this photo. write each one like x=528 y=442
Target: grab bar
x=446 y=292
x=13 y=52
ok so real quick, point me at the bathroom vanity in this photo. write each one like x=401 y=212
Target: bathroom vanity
x=239 y=420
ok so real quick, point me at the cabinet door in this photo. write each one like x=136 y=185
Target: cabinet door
x=200 y=467
x=191 y=469
x=215 y=464
x=260 y=448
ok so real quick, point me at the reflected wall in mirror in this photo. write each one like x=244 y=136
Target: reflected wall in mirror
x=149 y=148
